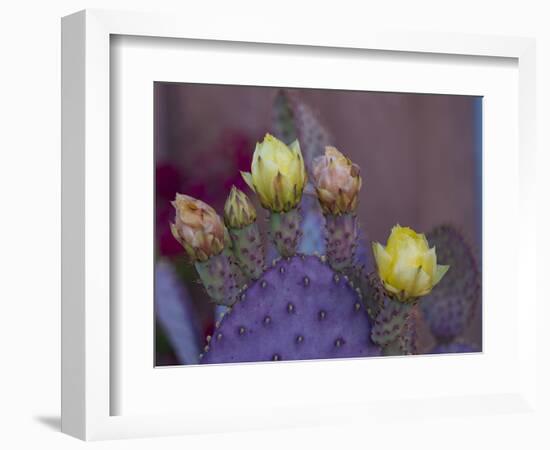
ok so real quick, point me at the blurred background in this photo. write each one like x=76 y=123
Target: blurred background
x=420 y=157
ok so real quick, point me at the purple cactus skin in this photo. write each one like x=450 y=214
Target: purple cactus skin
x=362 y=258
x=449 y=308
x=299 y=309
x=312 y=227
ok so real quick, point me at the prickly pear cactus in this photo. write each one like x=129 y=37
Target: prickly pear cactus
x=449 y=309
x=306 y=306
x=299 y=309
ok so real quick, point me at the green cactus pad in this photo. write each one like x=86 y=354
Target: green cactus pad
x=283 y=118
x=284 y=230
x=221 y=277
x=293 y=119
x=248 y=250
x=394 y=321
x=341 y=240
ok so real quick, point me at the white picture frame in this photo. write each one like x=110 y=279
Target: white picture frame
x=87 y=329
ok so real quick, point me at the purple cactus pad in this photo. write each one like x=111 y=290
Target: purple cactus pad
x=450 y=307
x=299 y=309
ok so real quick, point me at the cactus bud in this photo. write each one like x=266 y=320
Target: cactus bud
x=240 y=218
x=238 y=211
x=197 y=228
x=407 y=266
x=277 y=175
x=337 y=182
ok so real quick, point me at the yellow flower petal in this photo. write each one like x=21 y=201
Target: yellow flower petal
x=247 y=177
x=382 y=258
x=429 y=264
x=295 y=147
x=407 y=266
x=391 y=289
x=277 y=174
x=402 y=275
x=423 y=242
x=440 y=272
x=422 y=283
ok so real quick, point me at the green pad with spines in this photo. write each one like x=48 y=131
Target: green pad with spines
x=248 y=250
x=221 y=277
x=284 y=231
x=341 y=240
x=283 y=118
x=394 y=327
x=293 y=119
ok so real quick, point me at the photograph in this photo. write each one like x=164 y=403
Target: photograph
x=300 y=224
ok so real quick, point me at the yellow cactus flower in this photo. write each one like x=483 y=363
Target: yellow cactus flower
x=197 y=228
x=238 y=210
x=407 y=266
x=337 y=182
x=278 y=174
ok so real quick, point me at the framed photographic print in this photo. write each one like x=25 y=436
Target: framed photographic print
x=295 y=218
